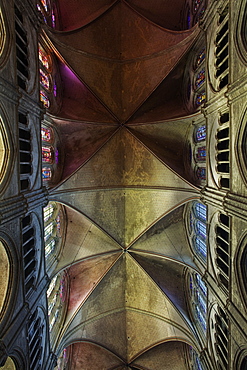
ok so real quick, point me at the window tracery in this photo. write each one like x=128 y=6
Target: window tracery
x=198 y=229
x=198 y=291
x=49 y=154
x=52 y=227
x=223 y=151
x=56 y=297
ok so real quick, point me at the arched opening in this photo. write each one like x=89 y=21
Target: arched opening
x=5 y=272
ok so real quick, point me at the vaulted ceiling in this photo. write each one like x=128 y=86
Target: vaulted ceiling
x=125 y=181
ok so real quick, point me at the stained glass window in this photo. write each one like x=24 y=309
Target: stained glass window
x=201 y=247
x=200 y=78
x=201 y=173
x=199 y=299
x=53 y=19
x=54 y=89
x=45 y=5
x=46 y=173
x=44 y=79
x=200 y=98
x=51 y=286
x=201 y=211
x=49 y=247
x=200 y=58
x=48 y=231
x=201 y=229
x=201 y=133
x=44 y=99
x=48 y=212
x=201 y=153
x=58 y=222
x=44 y=58
x=46 y=134
x=47 y=154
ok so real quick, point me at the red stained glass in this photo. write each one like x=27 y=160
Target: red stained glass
x=46 y=134
x=44 y=58
x=47 y=154
x=46 y=173
x=44 y=79
x=45 y=5
x=44 y=98
x=200 y=58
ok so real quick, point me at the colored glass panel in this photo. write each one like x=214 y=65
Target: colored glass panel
x=49 y=248
x=201 y=211
x=46 y=173
x=48 y=212
x=200 y=98
x=44 y=58
x=54 y=89
x=200 y=78
x=201 y=133
x=44 y=99
x=201 y=229
x=200 y=58
x=47 y=154
x=46 y=134
x=53 y=19
x=48 y=231
x=51 y=286
x=45 y=5
x=201 y=247
x=201 y=154
x=44 y=79
x=58 y=221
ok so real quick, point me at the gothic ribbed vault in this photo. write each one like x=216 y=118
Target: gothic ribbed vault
x=125 y=183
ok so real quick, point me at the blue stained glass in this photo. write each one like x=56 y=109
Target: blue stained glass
x=201 y=211
x=201 y=133
x=201 y=247
x=198 y=364
x=201 y=229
